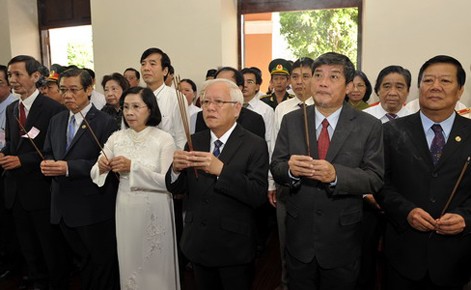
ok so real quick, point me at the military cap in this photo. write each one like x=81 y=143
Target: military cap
x=279 y=66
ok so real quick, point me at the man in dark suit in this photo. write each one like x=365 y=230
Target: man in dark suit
x=219 y=233
x=27 y=191
x=84 y=211
x=424 y=154
x=248 y=119
x=343 y=161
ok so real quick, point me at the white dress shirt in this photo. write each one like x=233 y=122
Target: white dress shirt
x=192 y=114
x=98 y=99
x=171 y=119
x=378 y=112
x=284 y=108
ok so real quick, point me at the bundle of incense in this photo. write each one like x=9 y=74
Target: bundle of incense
x=182 y=106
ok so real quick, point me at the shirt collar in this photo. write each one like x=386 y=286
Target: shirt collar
x=224 y=137
x=28 y=102
x=158 y=91
x=332 y=119
x=78 y=116
x=446 y=124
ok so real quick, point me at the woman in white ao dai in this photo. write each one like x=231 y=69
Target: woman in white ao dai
x=145 y=226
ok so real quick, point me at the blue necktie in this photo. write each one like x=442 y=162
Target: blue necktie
x=438 y=143
x=217 y=146
x=70 y=131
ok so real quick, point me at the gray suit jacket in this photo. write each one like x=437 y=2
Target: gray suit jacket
x=324 y=221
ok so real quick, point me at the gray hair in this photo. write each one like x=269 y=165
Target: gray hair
x=234 y=90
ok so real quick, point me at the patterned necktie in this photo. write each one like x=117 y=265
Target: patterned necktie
x=217 y=146
x=391 y=116
x=22 y=118
x=324 y=141
x=71 y=131
x=438 y=143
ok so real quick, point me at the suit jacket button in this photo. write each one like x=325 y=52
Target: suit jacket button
x=319 y=212
x=432 y=199
x=435 y=174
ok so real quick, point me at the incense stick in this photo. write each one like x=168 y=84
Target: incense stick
x=306 y=126
x=96 y=140
x=458 y=182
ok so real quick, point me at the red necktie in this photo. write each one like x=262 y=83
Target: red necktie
x=324 y=141
x=22 y=117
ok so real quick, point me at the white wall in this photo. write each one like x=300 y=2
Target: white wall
x=407 y=33
x=196 y=35
x=18 y=29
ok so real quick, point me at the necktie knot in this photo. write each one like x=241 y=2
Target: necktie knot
x=325 y=124
x=437 y=129
x=391 y=116
x=217 y=148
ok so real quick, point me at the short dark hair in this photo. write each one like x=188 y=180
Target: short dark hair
x=119 y=78
x=405 y=73
x=333 y=58
x=460 y=73
x=31 y=64
x=85 y=77
x=192 y=84
x=91 y=72
x=4 y=69
x=249 y=70
x=138 y=74
x=238 y=76
x=304 y=62
x=164 y=59
x=369 y=88
x=211 y=72
x=149 y=99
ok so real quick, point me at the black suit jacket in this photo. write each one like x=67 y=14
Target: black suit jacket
x=247 y=119
x=219 y=223
x=323 y=221
x=75 y=198
x=411 y=180
x=27 y=184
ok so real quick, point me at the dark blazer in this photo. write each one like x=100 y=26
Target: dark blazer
x=323 y=221
x=411 y=181
x=27 y=183
x=219 y=223
x=75 y=198
x=248 y=119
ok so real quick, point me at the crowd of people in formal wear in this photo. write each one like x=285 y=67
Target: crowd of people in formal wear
x=133 y=187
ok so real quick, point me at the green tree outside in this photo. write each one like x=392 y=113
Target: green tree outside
x=79 y=54
x=314 y=32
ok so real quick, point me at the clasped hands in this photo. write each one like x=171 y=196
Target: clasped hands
x=205 y=161
x=117 y=164
x=317 y=169
x=448 y=224
x=9 y=162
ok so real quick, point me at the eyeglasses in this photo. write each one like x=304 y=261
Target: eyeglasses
x=218 y=103
x=133 y=107
x=71 y=90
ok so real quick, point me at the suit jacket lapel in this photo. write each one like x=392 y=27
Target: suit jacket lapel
x=82 y=128
x=342 y=131
x=232 y=145
x=459 y=134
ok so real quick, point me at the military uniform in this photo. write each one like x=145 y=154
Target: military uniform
x=271 y=99
x=277 y=66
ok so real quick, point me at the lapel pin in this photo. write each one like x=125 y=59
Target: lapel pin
x=84 y=126
x=458 y=139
